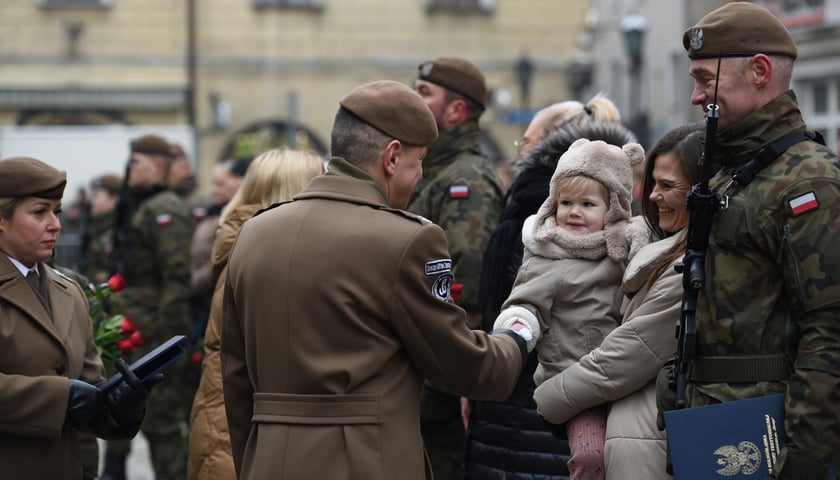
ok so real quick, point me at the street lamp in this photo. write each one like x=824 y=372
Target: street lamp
x=524 y=72
x=634 y=28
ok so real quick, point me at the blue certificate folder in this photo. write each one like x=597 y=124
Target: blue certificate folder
x=733 y=440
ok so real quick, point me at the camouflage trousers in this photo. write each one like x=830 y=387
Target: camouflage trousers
x=88 y=451
x=443 y=433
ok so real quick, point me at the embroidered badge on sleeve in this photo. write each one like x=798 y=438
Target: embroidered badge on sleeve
x=440 y=289
x=459 y=191
x=803 y=204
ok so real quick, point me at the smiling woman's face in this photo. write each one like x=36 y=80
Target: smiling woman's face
x=670 y=187
x=30 y=234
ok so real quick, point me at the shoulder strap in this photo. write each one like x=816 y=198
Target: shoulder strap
x=748 y=170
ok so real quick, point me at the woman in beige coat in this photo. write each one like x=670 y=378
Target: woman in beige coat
x=274 y=176
x=623 y=369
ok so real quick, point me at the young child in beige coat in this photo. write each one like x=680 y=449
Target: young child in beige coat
x=567 y=293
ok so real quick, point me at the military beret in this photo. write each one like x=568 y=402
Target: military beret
x=109 y=182
x=30 y=177
x=177 y=151
x=456 y=74
x=394 y=109
x=738 y=29
x=152 y=145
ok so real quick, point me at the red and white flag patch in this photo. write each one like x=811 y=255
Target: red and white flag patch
x=459 y=191
x=803 y=204
x=163 y=219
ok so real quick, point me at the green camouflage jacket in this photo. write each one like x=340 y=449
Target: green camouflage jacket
x=98 y=245
x=157 y=269
x=461 y=192
x=773 y=279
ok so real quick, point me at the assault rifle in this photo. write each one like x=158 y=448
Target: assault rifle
x=702 y=203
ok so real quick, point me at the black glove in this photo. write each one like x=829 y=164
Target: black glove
x=127 y=400
x=86 y=402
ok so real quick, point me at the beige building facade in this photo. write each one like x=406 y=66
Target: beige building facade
x=245 y=75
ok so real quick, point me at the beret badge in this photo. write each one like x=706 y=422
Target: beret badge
x=696 y=39
x=426 y=69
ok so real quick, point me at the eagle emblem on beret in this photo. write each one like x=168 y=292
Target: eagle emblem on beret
x=426 y=69
x=696 y=39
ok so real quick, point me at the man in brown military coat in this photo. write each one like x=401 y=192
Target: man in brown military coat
x=337 y=306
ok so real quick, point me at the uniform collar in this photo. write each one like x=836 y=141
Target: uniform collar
x=23 y=269
x=452 y=141
x=741 y=141
x=341 y=167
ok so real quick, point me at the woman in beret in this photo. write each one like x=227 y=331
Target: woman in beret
x=48 y=361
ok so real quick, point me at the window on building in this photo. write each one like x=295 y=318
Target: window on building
x=316 y=5
x=75 y=3
x=821 y=107
x=460 y=6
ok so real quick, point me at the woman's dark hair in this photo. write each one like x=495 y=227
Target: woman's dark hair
x=685 y=143
x=8 y=206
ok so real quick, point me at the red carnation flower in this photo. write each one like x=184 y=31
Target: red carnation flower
x=125 y=345
x=127 y=326
x=116 y=282
x=136 y=339
x=456 y=291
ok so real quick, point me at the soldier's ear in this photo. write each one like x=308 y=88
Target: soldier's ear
x=390 y=157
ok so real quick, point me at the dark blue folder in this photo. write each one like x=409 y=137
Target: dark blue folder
x=733 y=440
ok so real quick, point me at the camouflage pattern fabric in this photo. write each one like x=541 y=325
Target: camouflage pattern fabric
x=461 y=192
x=99 y=243
x=773 y=282
x=157 y=273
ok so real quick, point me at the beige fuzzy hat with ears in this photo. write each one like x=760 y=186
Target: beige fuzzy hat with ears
x=613 y=167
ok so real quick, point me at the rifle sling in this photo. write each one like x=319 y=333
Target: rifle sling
x=745 y=173
x=741 y=369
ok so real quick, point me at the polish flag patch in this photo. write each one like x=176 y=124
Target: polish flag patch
x=459 y=191
x=163 y=219
x=803 y=204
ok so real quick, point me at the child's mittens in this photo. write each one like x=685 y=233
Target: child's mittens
x=522 y=322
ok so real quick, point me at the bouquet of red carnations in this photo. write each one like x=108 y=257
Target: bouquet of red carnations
x=112 y=334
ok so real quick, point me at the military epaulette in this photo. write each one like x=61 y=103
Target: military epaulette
x=273 y=205
x=61 y=274
x=409 y=215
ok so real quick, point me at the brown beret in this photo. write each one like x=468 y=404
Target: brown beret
x=738 y=29
x=152 y=145
x=394 y=109
x=177 y=151
x=30 y=177
x=456 y=74
x=109 y=182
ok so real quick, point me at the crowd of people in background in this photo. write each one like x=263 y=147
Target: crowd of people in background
x=397 y=311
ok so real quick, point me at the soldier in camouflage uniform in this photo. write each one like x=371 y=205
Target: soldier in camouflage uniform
x=151 y=250
x=461 y=192
x=98 y=238
x=771 y=304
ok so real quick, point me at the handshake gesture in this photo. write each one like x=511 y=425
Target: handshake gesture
x=125 y=404
x=522 y=322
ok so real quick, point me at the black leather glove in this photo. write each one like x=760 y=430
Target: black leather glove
x=86 y=402
x=127 y=401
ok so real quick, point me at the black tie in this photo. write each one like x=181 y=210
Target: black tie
x=34 y=280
